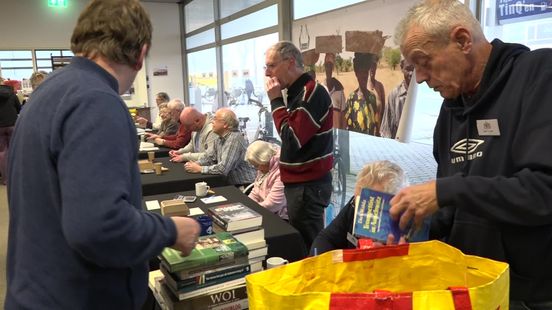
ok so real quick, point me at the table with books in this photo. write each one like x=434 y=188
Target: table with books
x=244 y=234
x=174 y=178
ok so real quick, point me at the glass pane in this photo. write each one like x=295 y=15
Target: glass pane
x=229 y=7
x=304 y=8
x=261 y=19
x=44 y=63
x=16 y=64
x=200 y=39
x=15 y=54
x=198 y=13
x=47 y=53
x=16 y=74
x=242 y=64
x=202 y=80
x=67 y=53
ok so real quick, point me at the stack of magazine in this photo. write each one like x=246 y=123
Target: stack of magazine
x=210 y=277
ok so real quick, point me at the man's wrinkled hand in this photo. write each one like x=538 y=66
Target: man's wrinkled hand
x=187 y=233
x=273 y=88
x=414 y=203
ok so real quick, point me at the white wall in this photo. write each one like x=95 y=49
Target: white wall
x=32 y=24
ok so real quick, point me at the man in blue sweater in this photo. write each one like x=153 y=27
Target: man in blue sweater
x=493 y=192
x=78 y=238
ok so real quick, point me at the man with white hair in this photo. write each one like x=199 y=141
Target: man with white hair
x=227 y=155
x=182 y=136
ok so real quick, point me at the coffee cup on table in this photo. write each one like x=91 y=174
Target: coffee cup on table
x=201 y=189
x=151 y=156
x=274 y=262
x=158 y=168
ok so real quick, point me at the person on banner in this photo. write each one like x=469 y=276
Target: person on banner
x=268 y=189
x=377 y=88
x=395 y=103
x=362 y=108
x=493 y=189
x=304 y=122
x=336 y=91
x=203 y=137
x=383 y=176
x=78 y=237
x=227 y=156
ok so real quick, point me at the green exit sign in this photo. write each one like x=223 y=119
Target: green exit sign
x=57 y=3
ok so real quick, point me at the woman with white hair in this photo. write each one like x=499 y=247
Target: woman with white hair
x=383 y=176
x=268 y=189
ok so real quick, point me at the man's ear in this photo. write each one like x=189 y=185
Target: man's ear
x=463 y=38
x=141 y=58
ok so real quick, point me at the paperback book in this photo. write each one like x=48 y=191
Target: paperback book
x=227 y=298
x=181 y=287
x=235 y=216
x=209 y=251
x=205 y=279
x=372 y=219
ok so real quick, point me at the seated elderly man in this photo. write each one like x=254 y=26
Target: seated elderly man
x=168 y=125
x=227 y=155
x=161 y=99
x=203 y=136
x=268 y=189
x=383 y=176
x=182 y=136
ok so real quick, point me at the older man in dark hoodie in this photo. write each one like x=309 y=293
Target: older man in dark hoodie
x=9 y=108
x=493 y=192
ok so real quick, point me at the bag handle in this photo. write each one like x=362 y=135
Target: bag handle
x=375 y=253
x=461 y=297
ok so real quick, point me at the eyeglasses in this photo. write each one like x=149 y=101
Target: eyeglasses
x=273 y=65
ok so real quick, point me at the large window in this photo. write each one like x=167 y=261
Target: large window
x=202 y=80
x=20 y=64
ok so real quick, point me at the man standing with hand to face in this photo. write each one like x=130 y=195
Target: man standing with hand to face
x=78 y=238
x=304 y=122
x=493 y=192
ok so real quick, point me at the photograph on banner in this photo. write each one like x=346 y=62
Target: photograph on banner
x=352 y=52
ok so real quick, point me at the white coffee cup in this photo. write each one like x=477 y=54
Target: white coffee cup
x=274 y=262
x=201 y=189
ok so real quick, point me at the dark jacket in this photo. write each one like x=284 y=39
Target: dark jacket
x=78 y=238
x=495 y=189
x=9 y=106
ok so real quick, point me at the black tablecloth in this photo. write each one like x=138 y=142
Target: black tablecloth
x=176 y=179
x=282 y=239
x=161 y=152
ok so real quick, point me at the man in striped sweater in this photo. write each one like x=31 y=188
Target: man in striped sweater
x=304 y=122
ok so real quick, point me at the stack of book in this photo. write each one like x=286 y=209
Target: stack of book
x=211 y=276
x=245 y=225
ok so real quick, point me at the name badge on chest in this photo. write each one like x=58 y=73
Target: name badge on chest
x=488 y=127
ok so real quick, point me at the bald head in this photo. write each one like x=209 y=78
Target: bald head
x=192 y=119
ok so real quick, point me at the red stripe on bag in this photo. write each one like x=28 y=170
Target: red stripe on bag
x=461 y=297
x=371 y=301
x=375 y=253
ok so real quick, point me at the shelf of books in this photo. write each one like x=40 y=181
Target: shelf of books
x=213 y=275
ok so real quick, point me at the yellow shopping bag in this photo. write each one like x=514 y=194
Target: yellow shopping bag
x=424 y=275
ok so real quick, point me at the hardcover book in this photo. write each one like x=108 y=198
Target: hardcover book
x=181 y=287
x=209 y=251
x=174 y=280
x=227 y=298
x=235 y=216
x=372 y=219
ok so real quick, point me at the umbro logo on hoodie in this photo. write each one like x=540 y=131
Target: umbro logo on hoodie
x=468 y=149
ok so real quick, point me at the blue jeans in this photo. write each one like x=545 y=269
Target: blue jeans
x=522 y=305
x=305 y=205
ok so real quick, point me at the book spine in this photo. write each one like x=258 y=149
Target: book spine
x=204 y=279
x=223 y=299
x=227 y=283
x=224 y=265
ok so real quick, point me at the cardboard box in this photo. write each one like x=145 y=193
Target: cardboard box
x=365 y=41
x=174 y=207
x=310 y=57
x=329 y=44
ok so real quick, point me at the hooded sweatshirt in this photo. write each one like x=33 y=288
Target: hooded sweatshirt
x=9 y=106
x=494 y=159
